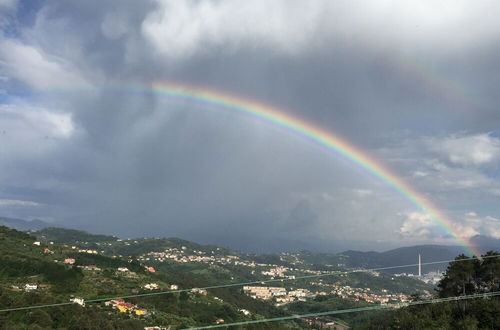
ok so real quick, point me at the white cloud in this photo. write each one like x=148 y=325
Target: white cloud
x=28 y=132
x=443 y=177
x=18 y=119
x=35 y=68
x=420 y=174
x=419 y=225
x=488 y=225
x=464 y=230
x=16 y=202
x=468 y=150
x=363 y=192
x=181 y=29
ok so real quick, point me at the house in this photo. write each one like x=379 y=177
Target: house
x=125 y=307
x=123 y=269
x=90 y=267
x=174 y=287
x=151 y=286
x=88 y=251
x=140 y=312
x=69 y=261
x=48 y=251
x=245 y=312
x=219 y=321
x=78 y=300
x=150 y=269
x=31 y=287
x=36 y=243
x=114 y=302
x=200 y=291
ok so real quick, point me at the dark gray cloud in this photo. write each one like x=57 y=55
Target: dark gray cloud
x=410 y=87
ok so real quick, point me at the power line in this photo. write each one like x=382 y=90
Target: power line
x=336 y=273
x=351 y=310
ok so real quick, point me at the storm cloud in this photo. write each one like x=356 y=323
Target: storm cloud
x=413 y=84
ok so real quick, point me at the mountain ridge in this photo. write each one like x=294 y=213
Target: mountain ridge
x=357 y=259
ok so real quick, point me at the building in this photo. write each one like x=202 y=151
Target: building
x=78 y=300
x=264 y=292
x=69 y=261
x=174 y=287
x=151 y=286
x=140 y=312
x=114 y=302
x=30 y=287
x=245 y=312
x=200 y=291
x=125 y=307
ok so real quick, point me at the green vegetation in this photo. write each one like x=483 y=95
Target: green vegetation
x=97 y=276
x=99 y=272
x=70 y=236
x=461 y=278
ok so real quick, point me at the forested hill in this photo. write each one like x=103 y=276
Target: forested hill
x=70 y=236
x=112 y=245
x=34 y=272
x=134 y=247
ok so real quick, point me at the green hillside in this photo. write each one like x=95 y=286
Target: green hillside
x=66 y=264
x=23 y=260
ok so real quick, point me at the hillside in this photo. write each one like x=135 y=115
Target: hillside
x=65 y=263
x=35 y=273
x=70 y=236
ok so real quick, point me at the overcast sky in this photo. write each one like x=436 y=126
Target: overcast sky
x=414 y=84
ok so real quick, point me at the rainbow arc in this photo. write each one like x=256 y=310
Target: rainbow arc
x=280 y=118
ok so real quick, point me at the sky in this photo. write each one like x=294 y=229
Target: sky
x=412 y=84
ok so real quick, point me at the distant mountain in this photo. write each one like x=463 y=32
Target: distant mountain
x=485 y=243
x=71 y=236
x=23 y=225
x=404 y=256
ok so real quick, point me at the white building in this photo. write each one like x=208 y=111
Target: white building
x=31 y=287
x=78 y=300
x=151 y=286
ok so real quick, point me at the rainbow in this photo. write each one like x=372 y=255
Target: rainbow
x=276 y=117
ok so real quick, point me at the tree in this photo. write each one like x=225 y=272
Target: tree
x=460 y=278
x=41 y=318
x=489 y=272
